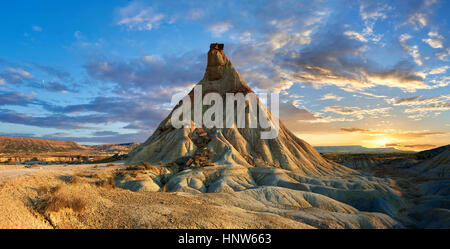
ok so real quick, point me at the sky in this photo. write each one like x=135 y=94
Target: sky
x=370 y=73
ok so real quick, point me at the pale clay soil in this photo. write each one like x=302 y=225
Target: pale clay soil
x=23 y=190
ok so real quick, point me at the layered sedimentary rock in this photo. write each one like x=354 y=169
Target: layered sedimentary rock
x=231 y=146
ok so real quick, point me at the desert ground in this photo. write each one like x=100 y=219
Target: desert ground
x=116 y=195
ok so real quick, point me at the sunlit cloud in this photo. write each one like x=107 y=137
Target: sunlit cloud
x=434 y=40
x=411 y=146
x=355 y=35
x=356 y=110
x=331 y=96
x=418 y=19
x=439 y=70
x=441 y=106
x=400 y=139
x=412 y=50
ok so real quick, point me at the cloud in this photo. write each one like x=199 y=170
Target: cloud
x=263 y=33
x=53 y=71
x=196 y=13
x=147 y=72
x=103 y=139
x=51 y=121
x=15 y=75
x=418 y=12
x=412 y=146
x=440 y=106
x=358 y=112
x=412 y=50
x=56 y=87
x=274 y=46
x=15 y=98
x=394 y=133
x=355 y=35
x=104 y=133
x=36 y=28
x=434 y=40
x=217 y=29
x=443 y=54
x=290 y=113
x=371 y=12
x=416 y=100
x=418 y=19
x=372 y=95
x=354 y=130
x=136 y=94
x=334 y=59
x=136 y=16
x=331 y=96
x=244 y=37
x=439 y=70
x=101 y=110
x=420 y=107
x=300 y=120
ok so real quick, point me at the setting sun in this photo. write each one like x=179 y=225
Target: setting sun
x=381 y=143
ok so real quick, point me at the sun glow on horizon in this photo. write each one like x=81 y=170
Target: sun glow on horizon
x=380 y=143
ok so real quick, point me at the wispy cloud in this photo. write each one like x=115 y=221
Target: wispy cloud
x=434 y=40
x=355 y=35
x=356 y=110
x=440 y=106
x=36 y=28
x=396 y=133
x=419 y=107
x=412 y=50
x=331 y=96
x=439 y=70
x=218 y=29
x=137 y=16
x=15 y=75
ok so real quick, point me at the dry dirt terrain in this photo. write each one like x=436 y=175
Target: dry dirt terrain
x=86 y=196
x=145 y=196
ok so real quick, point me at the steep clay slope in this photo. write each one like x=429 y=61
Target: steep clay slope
x=437 y=166
x=232 y=146
x=114 y=148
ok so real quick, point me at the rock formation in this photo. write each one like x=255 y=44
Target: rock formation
x=230 y=146
x=236 y=160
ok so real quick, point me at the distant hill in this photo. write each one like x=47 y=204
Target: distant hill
x=22 y=145
x=438 y=165
x=433 y=152
x=114 y=148
x=356 y=149
x=14 y=145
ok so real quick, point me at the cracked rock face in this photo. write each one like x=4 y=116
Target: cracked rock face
x=216 y=62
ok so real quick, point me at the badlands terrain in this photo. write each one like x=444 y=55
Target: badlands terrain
x=115 y=195
x=229 y=178
x=35 y=150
